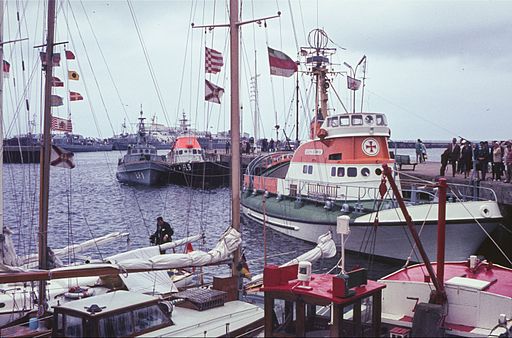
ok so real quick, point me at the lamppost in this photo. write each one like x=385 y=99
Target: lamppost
x=353 y=73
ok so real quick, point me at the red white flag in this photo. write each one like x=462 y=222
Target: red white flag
x=353 y=84
x=74 y=96
x=213 y=61
x=280 y=63
x=61 y=158
x=56 y=82
x=212 y=92
x=6 y=68
x=70 y=55
x=61 y=124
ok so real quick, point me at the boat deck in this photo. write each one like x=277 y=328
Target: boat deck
x=498 y=276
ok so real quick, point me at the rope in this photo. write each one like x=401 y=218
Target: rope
x=148 y=61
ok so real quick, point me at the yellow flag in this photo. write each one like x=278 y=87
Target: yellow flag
x=72 y=75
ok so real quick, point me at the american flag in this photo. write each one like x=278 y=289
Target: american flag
x=61 y=124
x=213 y=61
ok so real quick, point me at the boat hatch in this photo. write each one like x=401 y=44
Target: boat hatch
x=110 y=315
x=200 y=299
x=470 y=283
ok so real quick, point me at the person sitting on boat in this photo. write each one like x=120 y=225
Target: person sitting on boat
x=163 y=233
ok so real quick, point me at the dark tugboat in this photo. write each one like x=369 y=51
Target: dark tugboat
x=191 y=166
x=142 y=164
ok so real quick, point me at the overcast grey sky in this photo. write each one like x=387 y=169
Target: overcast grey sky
x=438 y=69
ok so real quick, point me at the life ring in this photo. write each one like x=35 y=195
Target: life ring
x=485 y=211
x=77 y=292
x=322 y=133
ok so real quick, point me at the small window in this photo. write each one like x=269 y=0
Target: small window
x=181 y=152
x=352 y=172
x=333 y=122
x=368 y=119
x=381 y=120
x=335 y=157
x=73 y=326
x=344 y=121
x=310 y=169
x=146 y=151
x=148 y=317
x=365 y=172
x=333 y=171
x=194 y=151
x=120 y=325
x=357 y=120
x=341 y=171
x=304 y=169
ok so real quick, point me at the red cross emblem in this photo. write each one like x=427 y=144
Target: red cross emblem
x=370 y=147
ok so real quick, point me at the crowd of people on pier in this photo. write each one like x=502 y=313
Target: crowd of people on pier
x=477 y=160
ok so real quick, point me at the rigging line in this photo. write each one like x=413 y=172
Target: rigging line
x=482 y=227
x=21 y=54
x=105 y=61
x=89 y=62
x=302 y=20
x=293 y=27
x=148 y=62
x=451 y=132
x=191 y=15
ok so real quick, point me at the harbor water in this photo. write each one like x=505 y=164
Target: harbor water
x=88 y=202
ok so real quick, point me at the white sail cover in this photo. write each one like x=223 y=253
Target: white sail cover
x=80 y=247
x=326 y=248
x=226 y=245
x=151 y=251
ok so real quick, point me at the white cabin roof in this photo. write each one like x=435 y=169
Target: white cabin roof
x=356 y=124
x=111 y=301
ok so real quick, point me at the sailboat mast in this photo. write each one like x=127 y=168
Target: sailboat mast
x=45 y=153
x=1 y=129
x=235 y=125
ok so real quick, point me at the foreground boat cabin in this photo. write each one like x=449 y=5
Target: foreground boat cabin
x=116 y=314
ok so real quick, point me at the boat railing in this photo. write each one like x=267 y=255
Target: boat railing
x=456 y=191
x=262 y=162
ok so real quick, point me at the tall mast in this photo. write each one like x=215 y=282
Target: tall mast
x=1 y=129
x=297 y=110
x=45 y=154
x=235 y=124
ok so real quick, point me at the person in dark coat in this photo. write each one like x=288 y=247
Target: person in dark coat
x=467 y=158
x=163 y=233
x=454 y=155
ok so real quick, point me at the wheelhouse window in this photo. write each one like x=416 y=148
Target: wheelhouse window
x=381 y=120
x=351 y=172
x=194 y=151
x=357 y=120
x=334 y=157
x=341 y=171
x=333 y=122
x=368 y=119
x=304 y=169
x=181 y=152
x=344 y=121
x=148 y=317
x=73 y=326
x=310 y=169
x=120 y=325
x=333 y=171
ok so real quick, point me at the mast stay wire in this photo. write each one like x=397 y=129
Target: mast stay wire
x=148 y=61
x=105 y=62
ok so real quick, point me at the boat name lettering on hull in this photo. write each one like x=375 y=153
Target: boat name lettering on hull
x=314 y=152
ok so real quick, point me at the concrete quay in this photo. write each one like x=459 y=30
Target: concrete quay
x=430 y=171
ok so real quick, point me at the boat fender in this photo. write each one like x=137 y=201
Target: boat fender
x=322 y=133
x=77 y=292
x=485 y=211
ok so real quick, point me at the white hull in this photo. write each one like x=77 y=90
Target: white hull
x=393 y=238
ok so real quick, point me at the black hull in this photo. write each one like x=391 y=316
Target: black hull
x=22 y=154
x=200 y=174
